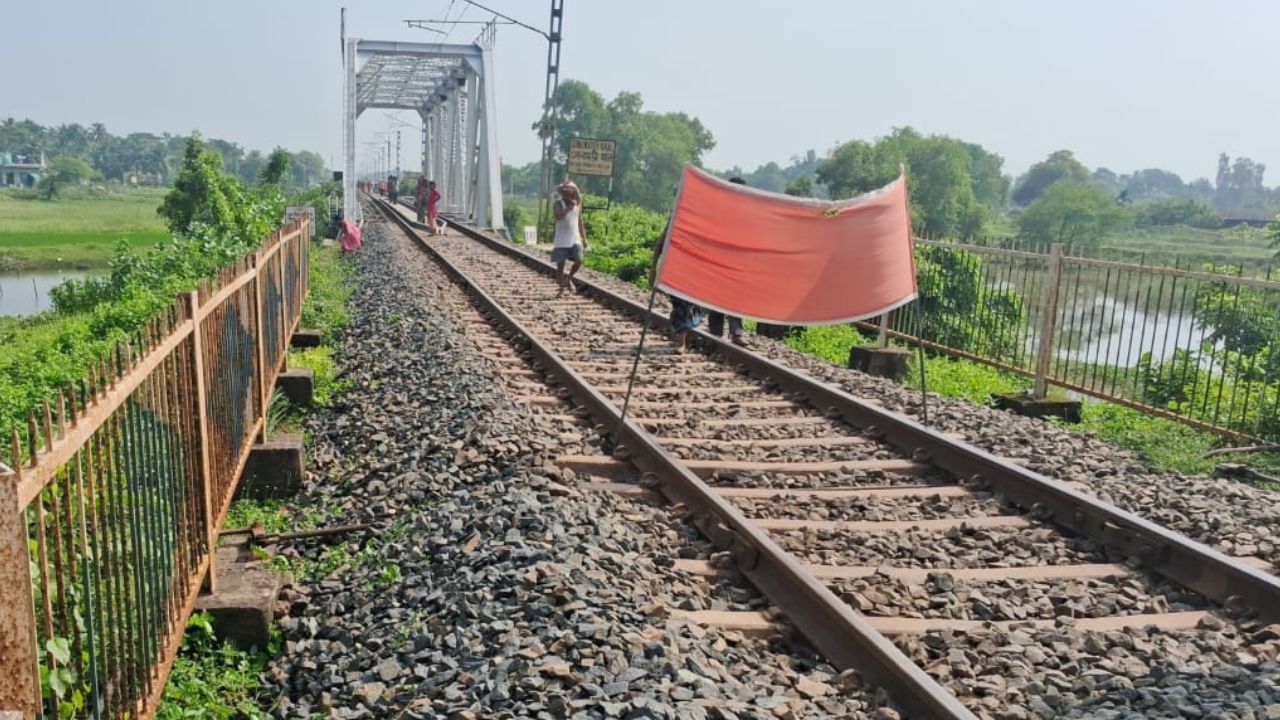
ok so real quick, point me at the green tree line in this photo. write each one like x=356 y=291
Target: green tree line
x=957 y=188
x=153 y=158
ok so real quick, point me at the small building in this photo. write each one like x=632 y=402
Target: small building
x=20 y=171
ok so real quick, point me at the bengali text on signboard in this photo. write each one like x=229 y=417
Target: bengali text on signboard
x=591 y=157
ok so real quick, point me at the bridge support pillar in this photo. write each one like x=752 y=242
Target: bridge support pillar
x=1068 y=410
x=275 y=469
x=888 y=362
x=298 y=386
x=244 y=605
x=303 y=338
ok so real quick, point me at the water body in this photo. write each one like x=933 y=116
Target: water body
x=28 y=293
x=1118 y=333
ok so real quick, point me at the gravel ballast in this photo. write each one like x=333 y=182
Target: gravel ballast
x=497 y=586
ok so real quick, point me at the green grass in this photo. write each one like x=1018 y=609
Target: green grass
x=319 y=360
x=215 y=680
x=331 y=287
x=964 y=379
x=831 y=343
x=1164 y=444
x=1163 y=245
x=81 y=230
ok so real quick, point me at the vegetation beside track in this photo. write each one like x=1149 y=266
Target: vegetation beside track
x=217 y=680
x=212 y=219
x=81 y=229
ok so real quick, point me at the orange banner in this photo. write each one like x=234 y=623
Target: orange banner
x=788 y=260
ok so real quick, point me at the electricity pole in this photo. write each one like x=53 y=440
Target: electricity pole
x=547 y=126
x=397 y=153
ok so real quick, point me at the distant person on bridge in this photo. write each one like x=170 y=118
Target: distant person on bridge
x=715 y=320
x=571 y=235
x=434 y=224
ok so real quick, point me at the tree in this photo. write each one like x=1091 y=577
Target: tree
x=1178 y=211
x=1239 y=186
x=199 y=195
x=521 y=180
x=1061 y=165
x=800 y=187
x=652 y=148
x=1154 y=183
x=62 y=172
x=273 y=173
x=941 y=182
x=307 y=169
x=1073 y=213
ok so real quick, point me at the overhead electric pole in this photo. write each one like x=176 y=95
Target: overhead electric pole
x=548 y=127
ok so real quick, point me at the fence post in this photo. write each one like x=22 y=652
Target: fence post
x=192 y=302
x=882 y=338
x=283 y=339
x=260 y=382
x=19 y=662
x=1048 y=322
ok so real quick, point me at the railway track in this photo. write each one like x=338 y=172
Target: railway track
x=891 y=547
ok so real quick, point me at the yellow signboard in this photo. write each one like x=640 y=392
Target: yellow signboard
x=591 y=157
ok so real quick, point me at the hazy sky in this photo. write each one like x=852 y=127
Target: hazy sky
x=1124 y=83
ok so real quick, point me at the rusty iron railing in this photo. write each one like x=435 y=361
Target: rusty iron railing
x=1197 y=345
x=108 y=524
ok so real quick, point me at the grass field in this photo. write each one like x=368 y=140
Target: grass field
x=79 y=231
x=1241 y=245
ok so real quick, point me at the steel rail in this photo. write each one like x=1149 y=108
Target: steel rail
x=1194 y=565
x=843 y=635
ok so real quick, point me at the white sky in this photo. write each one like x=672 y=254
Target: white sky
x=1128 y=84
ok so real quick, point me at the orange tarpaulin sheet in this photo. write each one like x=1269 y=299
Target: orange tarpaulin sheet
x=788 y=260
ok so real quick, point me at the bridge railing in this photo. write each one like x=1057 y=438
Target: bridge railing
x=1199 y=346
x=109 y=521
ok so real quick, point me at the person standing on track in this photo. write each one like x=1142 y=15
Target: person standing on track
x=685 y=316
x=571 y=235
x=715 y=320
x=434 y=224
x=393 y=188
x=420 y=199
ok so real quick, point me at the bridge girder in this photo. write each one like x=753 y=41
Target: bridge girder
x=451 y=88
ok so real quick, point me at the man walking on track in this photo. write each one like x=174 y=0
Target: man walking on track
x=715 y=320
x=571 y=235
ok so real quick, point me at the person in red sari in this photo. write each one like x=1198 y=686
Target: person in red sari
x=434 y=224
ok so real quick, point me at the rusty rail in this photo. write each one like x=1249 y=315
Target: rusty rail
x=108 y=522
x=846 y=637
x=1196 y=566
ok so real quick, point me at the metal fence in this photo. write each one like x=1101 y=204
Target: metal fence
x=1196 y=345
x=108 y=524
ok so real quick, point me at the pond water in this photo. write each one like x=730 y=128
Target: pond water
x=28 y=293
x=1118 y=333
